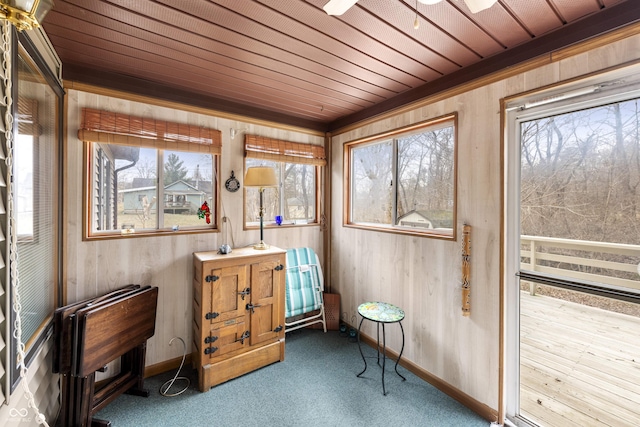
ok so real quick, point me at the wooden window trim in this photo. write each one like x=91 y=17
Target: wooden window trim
x=389 y=228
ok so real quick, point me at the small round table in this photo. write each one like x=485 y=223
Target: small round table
x=381 y=313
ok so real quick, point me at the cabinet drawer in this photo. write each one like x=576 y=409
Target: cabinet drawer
x=225 y=337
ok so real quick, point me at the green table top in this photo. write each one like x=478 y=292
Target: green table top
x=381 y=312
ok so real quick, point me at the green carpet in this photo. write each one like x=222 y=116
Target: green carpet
x=316 y=385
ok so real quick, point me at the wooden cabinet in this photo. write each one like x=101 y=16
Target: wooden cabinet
x=238 y=312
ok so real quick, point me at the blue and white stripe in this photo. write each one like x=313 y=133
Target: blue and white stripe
x=304 y=282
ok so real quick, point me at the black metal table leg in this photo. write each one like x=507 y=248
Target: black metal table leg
x=378 y=340
x=384 y=357
x=360 y=348
x=400 y=355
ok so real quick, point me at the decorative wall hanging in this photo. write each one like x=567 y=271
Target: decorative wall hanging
x=466 y=270
x=232 y=184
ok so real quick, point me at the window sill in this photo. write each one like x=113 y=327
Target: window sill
x=443 y=234
x=147 y=233
x=286 y=224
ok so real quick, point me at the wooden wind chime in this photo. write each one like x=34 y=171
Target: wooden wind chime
x=466 y=270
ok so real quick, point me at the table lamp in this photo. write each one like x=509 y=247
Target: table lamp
x=261 y=177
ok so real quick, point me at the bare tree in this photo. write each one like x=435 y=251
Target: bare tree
x=425 y=171
x=580 y=175
x=298 y=187
x=371 y=183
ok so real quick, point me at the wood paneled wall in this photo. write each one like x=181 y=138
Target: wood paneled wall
x=423 y=275
x=95 y=267
x=420 y=274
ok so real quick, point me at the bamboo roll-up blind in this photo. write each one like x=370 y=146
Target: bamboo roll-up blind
x=115 y=128
x=260 y=147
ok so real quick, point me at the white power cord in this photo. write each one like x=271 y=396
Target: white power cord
x=164 y=388
x=13 y=246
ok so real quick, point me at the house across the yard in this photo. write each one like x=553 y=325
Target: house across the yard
x=179 y=197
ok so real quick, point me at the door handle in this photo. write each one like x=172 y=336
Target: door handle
x=245 y=291
x=245 y=335
x=252 y=306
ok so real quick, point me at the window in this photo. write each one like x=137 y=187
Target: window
x=35 y=208
x=404 y=181
x=297 y=167
x=156 y=185
x=24 y=174
x=579 y=192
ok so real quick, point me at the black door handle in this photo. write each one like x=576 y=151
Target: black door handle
x=252 y=306
x=245 y=291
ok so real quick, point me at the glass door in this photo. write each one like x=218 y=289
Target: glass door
x=574 y=278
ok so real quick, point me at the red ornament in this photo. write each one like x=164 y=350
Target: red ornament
x=205 y=212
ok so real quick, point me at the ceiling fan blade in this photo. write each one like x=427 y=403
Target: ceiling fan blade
x=338 y=7
x=476 y=6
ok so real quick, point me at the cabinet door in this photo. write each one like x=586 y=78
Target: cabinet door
x=229 y=295
x=267 y=312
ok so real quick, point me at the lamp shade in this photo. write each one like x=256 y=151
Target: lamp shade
x=260 y=176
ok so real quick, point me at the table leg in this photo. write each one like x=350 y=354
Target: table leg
x=360 y=348
x=400 y=355
x=378 y=340
x=384 y=357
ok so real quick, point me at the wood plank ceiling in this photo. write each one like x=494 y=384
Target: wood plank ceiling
x=290 y=62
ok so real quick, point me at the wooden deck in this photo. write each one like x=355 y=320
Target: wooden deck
x=579 y=365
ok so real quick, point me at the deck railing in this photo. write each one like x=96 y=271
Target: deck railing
x=609 y=263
